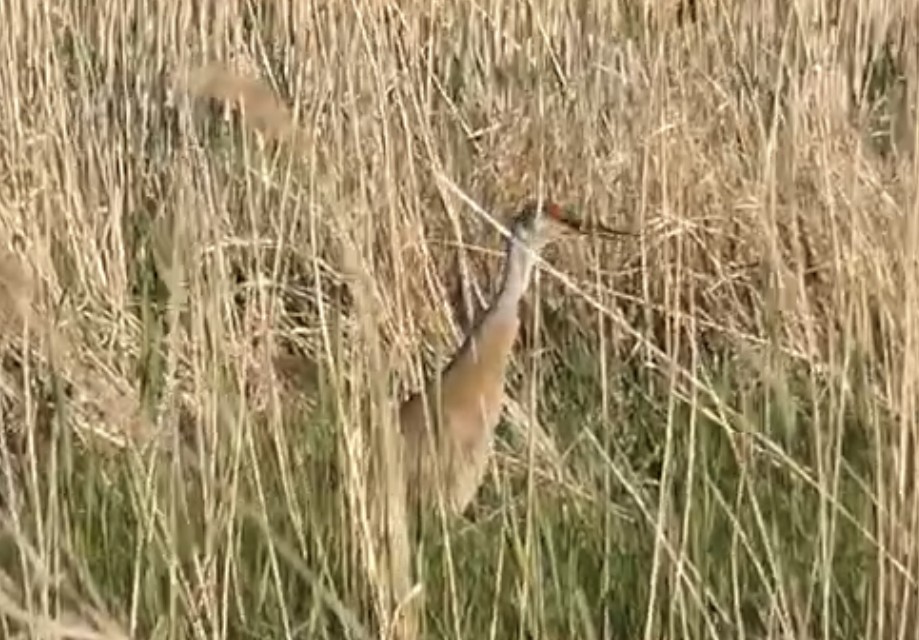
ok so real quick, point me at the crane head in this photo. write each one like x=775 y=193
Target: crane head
x=537 y=224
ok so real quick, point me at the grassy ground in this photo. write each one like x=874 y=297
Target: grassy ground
x=207 y=316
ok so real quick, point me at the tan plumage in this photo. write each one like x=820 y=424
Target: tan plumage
x=448 y=429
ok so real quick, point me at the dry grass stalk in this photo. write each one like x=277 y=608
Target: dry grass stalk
x=384 y=485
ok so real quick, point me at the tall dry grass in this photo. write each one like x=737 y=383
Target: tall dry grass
x=210 y=310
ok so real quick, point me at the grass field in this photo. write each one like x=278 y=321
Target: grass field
x=209 y=314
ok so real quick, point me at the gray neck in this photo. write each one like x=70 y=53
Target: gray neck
x=518 y=268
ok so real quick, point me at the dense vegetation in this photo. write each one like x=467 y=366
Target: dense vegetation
x=209 y=308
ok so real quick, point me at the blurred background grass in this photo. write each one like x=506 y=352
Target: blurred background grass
x=711 y=429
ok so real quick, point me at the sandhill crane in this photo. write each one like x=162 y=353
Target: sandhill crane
x=448 y=428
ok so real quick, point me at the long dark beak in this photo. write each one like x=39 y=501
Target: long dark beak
x=571 y=223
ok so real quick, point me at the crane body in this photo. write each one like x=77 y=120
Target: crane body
x=448 y=429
